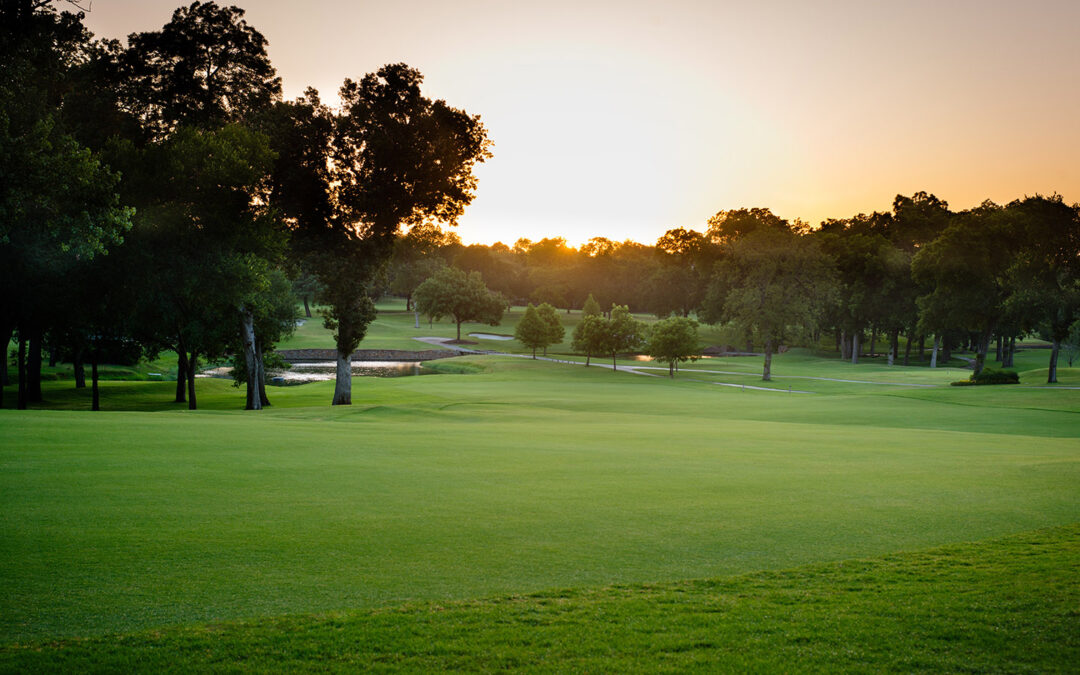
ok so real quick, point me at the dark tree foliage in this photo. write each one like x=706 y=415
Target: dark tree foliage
x=205 y=68
x=1045 y=273
x=727 y=226
x=58 y=201
x=966 y=269
x=770 y=282
x=399 y=159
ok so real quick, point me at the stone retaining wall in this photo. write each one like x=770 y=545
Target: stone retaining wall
x=297 y=355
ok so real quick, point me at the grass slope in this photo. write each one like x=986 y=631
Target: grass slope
x=526 y=477
x=1006 y=605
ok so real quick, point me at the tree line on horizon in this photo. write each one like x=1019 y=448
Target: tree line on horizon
x=161 y=196
x=920 y=270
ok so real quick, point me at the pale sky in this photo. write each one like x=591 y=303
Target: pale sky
x=626 y=118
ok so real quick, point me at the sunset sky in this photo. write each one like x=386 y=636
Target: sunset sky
x=623 y=119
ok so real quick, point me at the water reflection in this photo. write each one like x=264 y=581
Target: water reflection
x=316 y=371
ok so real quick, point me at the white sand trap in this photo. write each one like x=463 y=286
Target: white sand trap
x=489 y=336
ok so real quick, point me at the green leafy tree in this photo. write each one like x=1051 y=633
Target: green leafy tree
x=205 y=240
x=591 y=307
x=460 y=296
x=531 y=330
x=589 y=336
x=727 y=226
x=553 y=328
x=306 y=287
x=769 y=282
x=621 y=333
x=1044 y=277
x=965 y=268
x=672 y=341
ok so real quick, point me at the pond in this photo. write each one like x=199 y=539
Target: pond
x=491 y=336
x=317 y=371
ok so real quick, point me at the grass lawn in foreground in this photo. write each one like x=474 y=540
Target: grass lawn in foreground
x=1006 y=604
x=526 y=477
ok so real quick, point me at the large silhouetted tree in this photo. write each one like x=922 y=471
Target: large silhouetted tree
x=204 y=68
x=398 y=159
x=965 y=269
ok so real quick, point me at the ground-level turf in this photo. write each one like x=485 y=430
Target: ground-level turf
x=525 y=477
x=1004 y=605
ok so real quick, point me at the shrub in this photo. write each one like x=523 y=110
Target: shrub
x=990 y=376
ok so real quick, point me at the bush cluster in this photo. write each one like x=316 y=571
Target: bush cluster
x=990 y=376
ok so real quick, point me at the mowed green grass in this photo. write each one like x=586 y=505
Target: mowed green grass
x=1004 y=605
x=527 y=477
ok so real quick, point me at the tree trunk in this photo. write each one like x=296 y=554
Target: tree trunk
x=946 y=349
x=766 y=374
x=33 y=368
x=984 y=349
x=343 y=383
x=181 y=375
x=78 y=365
x=247 y=337
x=855 y=348
x=873 y=341
x=6 y=331
x=52 y=356
x=894 y=345
x=922 y=346
x=671 y=369
x=192 y=363
x=1051 y=373
x=839 y=341
x=534 y=353
x=21 y=402
x=416 y=316
x=263 y=398
x=845 y=346
x=997 y=351
x=933 y=354
x=614 y=367
x=907 y=348
x=307 y=308
x=95 y=396
x=588 y=357
x=459 y=331
x=1010 y=353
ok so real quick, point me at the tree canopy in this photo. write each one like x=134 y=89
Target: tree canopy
x=460 y=296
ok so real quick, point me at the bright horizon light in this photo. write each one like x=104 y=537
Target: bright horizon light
x=625 y=119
